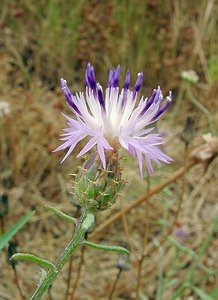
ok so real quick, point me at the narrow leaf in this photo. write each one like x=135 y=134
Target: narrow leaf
x=35 y=259
x=14 y=229
x=201 y=293
x=106 y=248
x=60 y=214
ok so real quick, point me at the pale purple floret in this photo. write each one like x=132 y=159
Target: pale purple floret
x=90 y=77
x=113 y=78
x=138 y=83
x=127 y=81
x=115 y=116
x=69 y=97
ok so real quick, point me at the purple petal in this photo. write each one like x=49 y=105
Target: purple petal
x=113 y=77
x=90 y=77
x=101 y=154
x=87 y=76
x=110 y=77
x=159 y=96
x=68 y=152
x=148 y=165
x=105 y=144
x=127 y=81
x=138 y=83
x=69 y=96
x=131 y=150
x=161 y=111
x=116 y=77
x=101 y=97
x=140 y=161
x=91 y=143
x=149 y=102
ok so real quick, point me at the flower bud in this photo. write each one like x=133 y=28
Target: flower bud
x=97 y=188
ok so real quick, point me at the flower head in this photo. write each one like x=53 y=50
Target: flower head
x=115 y=118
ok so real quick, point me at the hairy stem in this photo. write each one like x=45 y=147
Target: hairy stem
x=85 y=221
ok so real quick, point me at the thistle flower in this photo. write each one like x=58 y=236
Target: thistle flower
x=115 y=118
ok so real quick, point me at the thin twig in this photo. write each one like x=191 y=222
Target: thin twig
x=2 y=225
x=18 y=284
x=50 y=294
x=69 y=277
x=144 y=242
x=181 y=198
x=144 y=198
x=115 y=284
x=78 y=273
x=126 y=228
x=164 y=238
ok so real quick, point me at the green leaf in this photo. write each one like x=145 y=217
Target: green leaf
x=201 y=293
x=179 y=291
x=14 y=229
x=60 y=214
x=106 y=248
x=35 y=259
x=214 y=293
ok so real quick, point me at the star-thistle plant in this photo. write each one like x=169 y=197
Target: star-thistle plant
x=109 y=120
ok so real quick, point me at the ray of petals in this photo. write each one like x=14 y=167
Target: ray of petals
x=145 y=131
x=127 y=81
x=146 y=119
x=115 y=114
x=148 y=165
x=128 y=108
x=140 y=161
x=100 y=149
x=69 y=152
x=91 y=143
x=69 y=97
x=92 y=103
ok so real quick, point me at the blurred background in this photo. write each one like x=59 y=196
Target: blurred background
x=42 y=41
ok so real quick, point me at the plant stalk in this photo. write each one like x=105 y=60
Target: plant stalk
x=84 y=223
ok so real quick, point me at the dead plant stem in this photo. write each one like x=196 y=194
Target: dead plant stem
x=50 y=294
x=115 y=284
x=2 y=225
x=126 y=228
x=69 y=277
x=181 y=198
x=16 y=279
x=144 y=242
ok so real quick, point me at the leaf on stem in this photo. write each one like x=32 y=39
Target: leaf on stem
x=106 y=248
x=35 y=259
x=60 y=214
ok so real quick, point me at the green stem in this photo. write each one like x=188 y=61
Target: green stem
x=84 y=223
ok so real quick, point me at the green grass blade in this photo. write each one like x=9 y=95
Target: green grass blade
x=201 y=293
x=14 y=229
